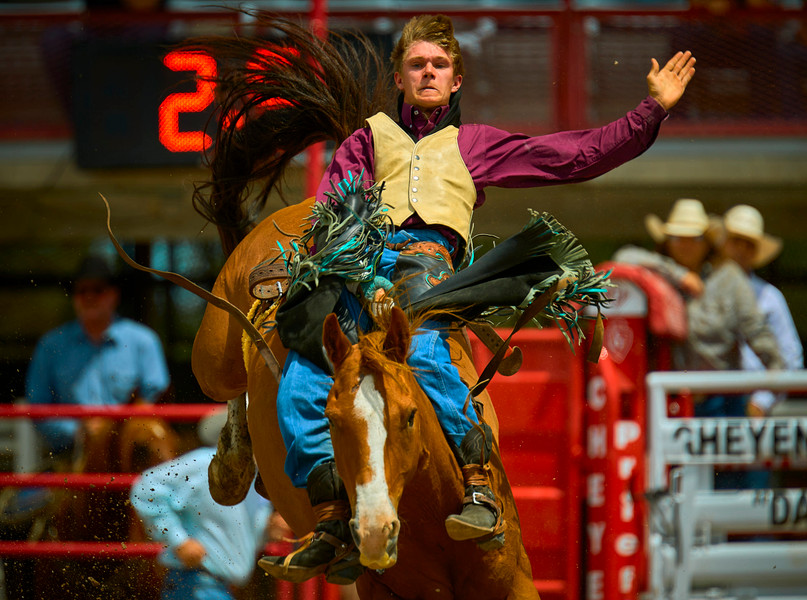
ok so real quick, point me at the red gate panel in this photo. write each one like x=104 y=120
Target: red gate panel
x=540 y=437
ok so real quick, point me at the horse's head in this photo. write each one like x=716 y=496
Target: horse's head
x=373 y=414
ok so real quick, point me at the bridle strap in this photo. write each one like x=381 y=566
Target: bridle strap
x=532 y=311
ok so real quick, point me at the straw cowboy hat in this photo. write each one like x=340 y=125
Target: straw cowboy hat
x=746 y=222
x=687 y=219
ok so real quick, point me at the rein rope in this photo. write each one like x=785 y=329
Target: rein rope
x=532 y=311
x=535 y=307
x=257 y=319
x=249 y=329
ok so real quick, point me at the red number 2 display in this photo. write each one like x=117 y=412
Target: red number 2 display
x=187 y=102
x=194 y=102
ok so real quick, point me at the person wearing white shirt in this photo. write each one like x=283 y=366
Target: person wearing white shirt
x=209 y=548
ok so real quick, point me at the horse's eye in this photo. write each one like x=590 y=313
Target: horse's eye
x=411 y=421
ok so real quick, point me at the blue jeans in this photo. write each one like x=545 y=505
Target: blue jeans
x=194 y=584
x=304 y=387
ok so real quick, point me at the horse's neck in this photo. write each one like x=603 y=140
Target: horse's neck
x=440 y=483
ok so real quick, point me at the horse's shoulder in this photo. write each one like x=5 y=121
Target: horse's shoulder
x=279 y=227
x=262 y=243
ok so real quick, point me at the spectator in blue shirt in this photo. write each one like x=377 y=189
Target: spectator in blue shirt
x=750 y=247
x=97 y=359
x=209 y=548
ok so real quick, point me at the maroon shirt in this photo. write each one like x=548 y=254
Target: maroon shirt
x=513 y=160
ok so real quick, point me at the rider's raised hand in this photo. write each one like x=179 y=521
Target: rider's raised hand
x=667 y=85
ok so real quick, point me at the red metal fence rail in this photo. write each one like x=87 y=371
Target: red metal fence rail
x=87 y=550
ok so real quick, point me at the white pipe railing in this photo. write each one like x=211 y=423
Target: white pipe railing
x=752 y=511
x=691 y=519
x=667 y=438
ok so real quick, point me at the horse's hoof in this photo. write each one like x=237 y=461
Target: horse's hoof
x=229 y=480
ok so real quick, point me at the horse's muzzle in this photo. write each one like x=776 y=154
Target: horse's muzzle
x=378 y=546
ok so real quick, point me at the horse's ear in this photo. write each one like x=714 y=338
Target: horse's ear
x=396 y=344
x=336 y=344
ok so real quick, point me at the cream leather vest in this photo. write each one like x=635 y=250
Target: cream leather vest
x=428 y=177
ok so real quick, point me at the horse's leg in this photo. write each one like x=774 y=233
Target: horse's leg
x=268 y=446
x=86 y=522
x=233 y=468
x=217 y=358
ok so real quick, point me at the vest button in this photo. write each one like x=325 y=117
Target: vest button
x=416 y=178
x=414 y=190
x=417 y=157
x=414 y=200
x=417 y=168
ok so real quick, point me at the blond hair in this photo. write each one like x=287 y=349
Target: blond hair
x=437 y=29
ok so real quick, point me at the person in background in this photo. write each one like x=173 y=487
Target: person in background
x=210 y=549
x=721 y=305
x=99 y=358
x=747 y=244
x=722 y=312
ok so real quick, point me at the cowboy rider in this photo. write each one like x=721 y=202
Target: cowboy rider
x=434 y=171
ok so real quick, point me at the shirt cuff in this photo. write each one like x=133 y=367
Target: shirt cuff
x=651 y=111
x=168 y=531
x=175 y=539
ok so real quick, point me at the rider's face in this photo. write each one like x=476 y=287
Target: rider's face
x=427 y=78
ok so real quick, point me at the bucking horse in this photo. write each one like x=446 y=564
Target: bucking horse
x=285 y=91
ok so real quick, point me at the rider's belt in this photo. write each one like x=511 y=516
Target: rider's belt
x=268 y=281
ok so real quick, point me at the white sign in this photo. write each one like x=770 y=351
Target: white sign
x=734 y=440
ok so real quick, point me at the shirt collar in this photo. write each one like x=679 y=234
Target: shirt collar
x=110 y=336
x=416 y=122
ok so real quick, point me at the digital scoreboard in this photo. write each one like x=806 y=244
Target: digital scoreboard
x=140 y=104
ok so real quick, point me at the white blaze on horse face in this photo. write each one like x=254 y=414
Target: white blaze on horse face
x=375 y=524
x=368 y=406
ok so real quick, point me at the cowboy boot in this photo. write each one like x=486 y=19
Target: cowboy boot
x=481 y=516
x=329 y=549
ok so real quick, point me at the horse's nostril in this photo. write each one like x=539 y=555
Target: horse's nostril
x=354 y=531
x=396 y=527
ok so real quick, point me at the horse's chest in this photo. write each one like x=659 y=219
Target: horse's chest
x=443 y=570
